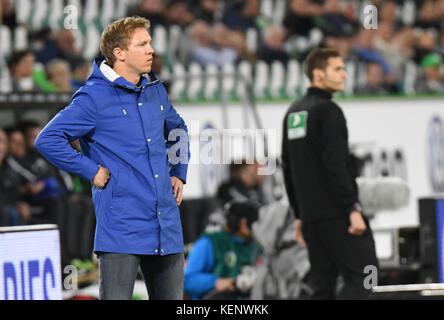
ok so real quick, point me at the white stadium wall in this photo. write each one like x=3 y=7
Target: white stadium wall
x=373 y=125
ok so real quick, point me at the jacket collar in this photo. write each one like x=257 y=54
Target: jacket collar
x=315 y=91
x=103 y=70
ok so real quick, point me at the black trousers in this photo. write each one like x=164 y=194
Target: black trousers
x=333 y=251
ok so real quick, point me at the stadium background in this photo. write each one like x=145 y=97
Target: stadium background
x=239 y=64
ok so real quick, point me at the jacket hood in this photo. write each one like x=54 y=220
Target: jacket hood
x=103 y=73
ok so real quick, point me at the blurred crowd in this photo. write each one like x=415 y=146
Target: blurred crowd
x=32 y=191
x=219 y=32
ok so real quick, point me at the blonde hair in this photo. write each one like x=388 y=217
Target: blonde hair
x=117 y=35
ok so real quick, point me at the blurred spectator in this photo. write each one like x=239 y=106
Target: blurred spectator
x=244 y=184
x=424 y=45
x=337 y=19
x=217 y=259
x=59 y=74
x=207 y=10
x=21 y=67
x=395 y=48
x=13 y=211
x=431 y=13
x=364 y=49
x=375 y=83
x=431 y=79
x=177 y=13
x=299 y=16
x=153 y=10
x=387 y=13
x=80 y=72
x=76 y=221
x=235 y=39
x=7 y=14
x=60 y=45
x=272 y=48
x=344 y=45
x=201 y=49
x=241 y=15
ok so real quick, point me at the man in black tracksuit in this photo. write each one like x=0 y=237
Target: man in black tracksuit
x=321 y=187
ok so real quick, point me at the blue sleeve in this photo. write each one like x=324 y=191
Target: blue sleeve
x=373 y=56
x=198 y=276
x=76 y=120
x=176 y=134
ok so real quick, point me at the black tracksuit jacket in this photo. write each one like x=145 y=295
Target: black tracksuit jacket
x=318 y=172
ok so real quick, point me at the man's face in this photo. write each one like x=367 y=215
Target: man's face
x=139 y=55
x=17 y=144
x=3 y=145
x=31 y=136
x=333 y=77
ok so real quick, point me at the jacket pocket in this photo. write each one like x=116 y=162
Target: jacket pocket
x=119 y=190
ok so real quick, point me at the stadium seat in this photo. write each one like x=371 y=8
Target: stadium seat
x=228 y=78
x=160 y=39
x=211 y=81
x=252 y=40
x=410 y=74
x=39 y=13
x=92 y=42
x=5 y=40
x=56 y=14
x=122 y=8
x=350 y=81
x=195 y=82
x=20 y=38
x=245 y=75
x=178 y=84
x=23 y=10
x=261 y=77
x=408 y=12
x=277 y=79
x=266 y=9
x=174 y=38
x=91 y=11
x=107 y=12
x=292 y=78
x=279 y=12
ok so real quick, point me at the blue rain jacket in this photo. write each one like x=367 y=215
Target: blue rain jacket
x=125 y=128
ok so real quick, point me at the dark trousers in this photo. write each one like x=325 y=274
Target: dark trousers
x=163 y=275
x=333 y=251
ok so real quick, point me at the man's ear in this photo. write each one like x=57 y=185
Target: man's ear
x=119 y=54
x=318 y=75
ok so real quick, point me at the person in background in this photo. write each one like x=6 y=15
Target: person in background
x=178 y=13
x=430 y=79
x=21 y=67
x=321 y=184
x=242 y=15
x=202 y=48
x=136 y=190
x=40 y=193
x=272 y=47
x=80 y=72
x=374 y=81
x=207 y=10
x=58 y=45
x=13 y=210
x=8 y=16
x=153 y=10
x=59 y=74
x=217 y=258
x=244 y=184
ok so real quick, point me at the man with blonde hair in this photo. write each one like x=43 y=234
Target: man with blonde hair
x=124 y=122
